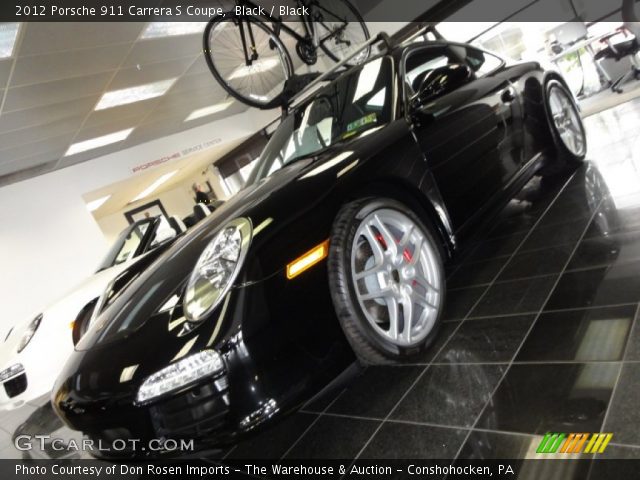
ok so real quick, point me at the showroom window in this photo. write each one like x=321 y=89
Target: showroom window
x=234 y=173
x=236 y=166
x=481 y=62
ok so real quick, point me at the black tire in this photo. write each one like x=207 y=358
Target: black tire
x=566 y=156
x=356 y=15
x=274 y=42
x=370 y=347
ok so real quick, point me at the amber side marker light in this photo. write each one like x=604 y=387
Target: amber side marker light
x=308 y=260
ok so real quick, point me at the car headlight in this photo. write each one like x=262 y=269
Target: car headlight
x=217 y=269
x=28 y=334
x=180 y=374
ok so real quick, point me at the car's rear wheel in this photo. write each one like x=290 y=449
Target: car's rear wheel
x=387 y=279
x=566 y=125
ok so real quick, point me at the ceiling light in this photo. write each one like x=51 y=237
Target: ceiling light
x=8 y=35
x=151 y=188
x=172 y=29
x=125 y=96
x=93 y=205
x=206 y=111
x=98 y=142
x=257 y=66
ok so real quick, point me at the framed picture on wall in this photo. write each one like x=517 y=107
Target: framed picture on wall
x=148 y=210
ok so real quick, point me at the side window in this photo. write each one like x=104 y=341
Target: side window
x=131 y=244
x=436 y=70
x=482 y=63
x=420 y=63
x=424 y=61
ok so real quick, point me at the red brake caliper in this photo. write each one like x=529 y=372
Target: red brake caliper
x=405 y=253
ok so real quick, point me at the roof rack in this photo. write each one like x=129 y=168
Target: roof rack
x=380 y=37
x=330 y=74
x=419 y=32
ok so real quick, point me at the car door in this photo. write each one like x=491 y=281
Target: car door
x=465 y=117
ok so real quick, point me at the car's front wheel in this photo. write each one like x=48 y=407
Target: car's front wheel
x=387 y=279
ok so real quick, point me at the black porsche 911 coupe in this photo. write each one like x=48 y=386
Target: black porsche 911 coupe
x=361 y=196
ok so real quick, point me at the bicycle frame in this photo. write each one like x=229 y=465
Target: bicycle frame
x=278 y=25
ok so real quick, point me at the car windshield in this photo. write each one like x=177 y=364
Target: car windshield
x=347 y=107
x=126 y=245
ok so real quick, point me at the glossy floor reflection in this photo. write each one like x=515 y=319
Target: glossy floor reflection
x=540 y=334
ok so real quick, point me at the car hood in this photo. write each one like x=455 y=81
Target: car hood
x=260 y=202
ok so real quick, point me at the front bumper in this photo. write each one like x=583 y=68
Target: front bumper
x=35 y=380
x=12 y=392
x=280 y=343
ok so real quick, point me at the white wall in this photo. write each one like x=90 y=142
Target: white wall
x=49 y=242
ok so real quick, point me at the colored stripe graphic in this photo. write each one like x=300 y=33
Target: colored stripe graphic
x=574 y=443
x=601 y=442
x=580 y=443
x=550 y=443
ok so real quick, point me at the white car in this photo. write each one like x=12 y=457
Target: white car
x=34 y=352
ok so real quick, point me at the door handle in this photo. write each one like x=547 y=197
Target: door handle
x=508 y=95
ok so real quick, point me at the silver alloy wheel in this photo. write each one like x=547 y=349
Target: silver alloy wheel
x=396 y=277
x=566 y=120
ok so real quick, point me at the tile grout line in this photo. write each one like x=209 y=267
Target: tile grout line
x=548 y=274
x=315 y=420
x=429 y=424
x=459 y=325
x=590 y=307
x=105 y=89
x=393 y=409
x=522 y=242
x=508 y=280
x=480 y=240
x=17 y=44
x=622 y=363
x=535 y=312
x=625 y=445
x=100 y=72
x=307 y=412
x=229 y=452
x=524 y=339
x=507 y=255
x=497 y=362
x=450 y=427
x=366 y=444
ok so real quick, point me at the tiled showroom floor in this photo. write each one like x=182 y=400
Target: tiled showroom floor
x=540 y=334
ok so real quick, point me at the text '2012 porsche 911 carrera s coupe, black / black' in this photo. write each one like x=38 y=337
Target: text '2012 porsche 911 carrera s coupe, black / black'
x=337 y=244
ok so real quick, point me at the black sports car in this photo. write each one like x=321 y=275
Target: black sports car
x=360 y=197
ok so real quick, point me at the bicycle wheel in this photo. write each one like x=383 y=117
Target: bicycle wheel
x=341 y=30
x=247 y=58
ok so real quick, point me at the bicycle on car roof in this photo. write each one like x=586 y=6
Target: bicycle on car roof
x=248 y=55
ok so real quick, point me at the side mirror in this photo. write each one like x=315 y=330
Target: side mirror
x=164 y=234
x=442 y=80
